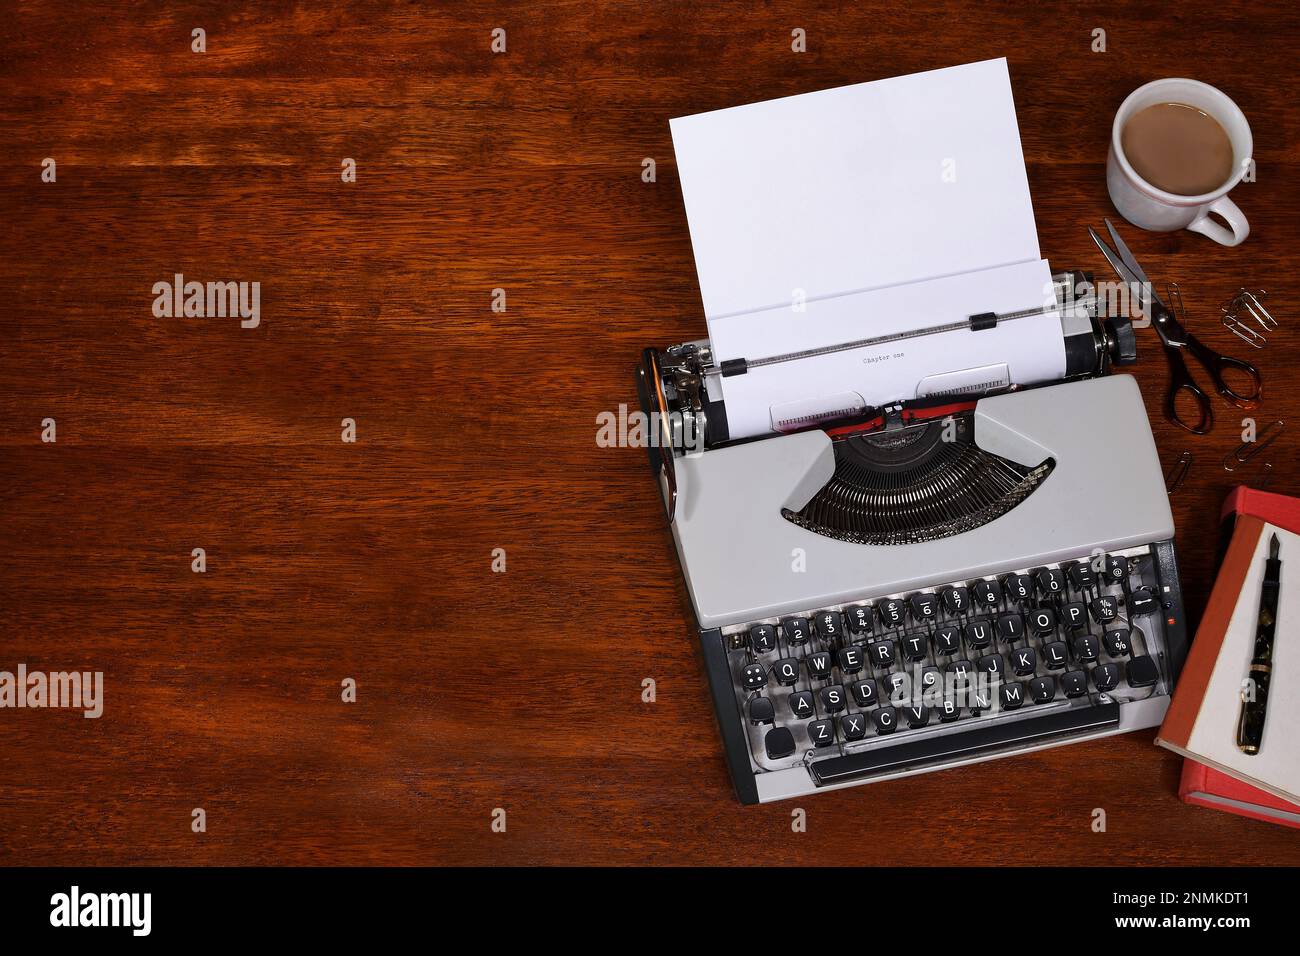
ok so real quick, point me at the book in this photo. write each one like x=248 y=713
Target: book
x=1201 y=723
x=1203 y=786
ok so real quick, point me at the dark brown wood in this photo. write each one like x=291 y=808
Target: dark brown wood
x=476 y=430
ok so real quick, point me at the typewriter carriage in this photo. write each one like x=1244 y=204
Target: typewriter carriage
x=673 y=385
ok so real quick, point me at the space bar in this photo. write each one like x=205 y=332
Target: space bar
x=951 y=746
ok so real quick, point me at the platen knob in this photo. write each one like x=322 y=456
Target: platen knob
x=1121 y=340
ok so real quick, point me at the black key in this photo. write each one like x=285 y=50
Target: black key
x=956 y=600
x=1141 y=601
x=891 y=612
x=1042 y=621
x=1074 y=683
x=1117 y=643
x=1055 y=656
x=821 y=733
x=1081 y=575
x=1024 y=661
x=779 y=743
x=1142 y=672
x=898 y=687
x=819 y=665
x=796 y=630
x=1117 y=569
x=859 y=618
x=864 y=693
x=801 y=704
x=924 y=606
x=882 y=653
x=918 y=715
x=1051 y=582
x=1105 y=609
x=885 y=719
x=947 y=640
x=987 y=594
x=1042 y=690
x=948 y=711
x=979 y=635
x=990 y=664
x=761 y=710
x=754 y=676
x=916 y=647
x=1011 y=628
x=786 y=671
x=961 y=672
x=1105 y=677
x=853 y=726
x=979 y=700
x=1086 y=649
x=931 y=682
x=850 y=659
x=1074 y=616
x=762 y=637
x=1019 y=587
x=829 y=626
x=832 y=698
x=1012 y=695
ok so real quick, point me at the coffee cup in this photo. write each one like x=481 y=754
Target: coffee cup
x=1150 y=207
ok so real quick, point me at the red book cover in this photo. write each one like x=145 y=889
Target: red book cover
x=1204 y=786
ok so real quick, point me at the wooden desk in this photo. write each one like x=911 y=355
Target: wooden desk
x=475 y=429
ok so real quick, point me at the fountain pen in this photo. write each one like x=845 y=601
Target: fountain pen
x=1254 y=696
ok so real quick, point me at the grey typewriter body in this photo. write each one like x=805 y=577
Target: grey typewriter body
x=881 y=599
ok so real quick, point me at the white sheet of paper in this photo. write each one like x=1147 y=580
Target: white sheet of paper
x=1031 y=349
x=1276 y=767
x=855 y=188
x=855 y=201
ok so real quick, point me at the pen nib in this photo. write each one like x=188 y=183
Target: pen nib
x=1274 y=547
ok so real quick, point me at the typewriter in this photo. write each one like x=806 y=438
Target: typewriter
x=933 y=583
x=941 y=543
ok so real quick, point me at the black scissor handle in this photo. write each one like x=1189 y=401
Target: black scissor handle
x=1180 y=379
x=1216 y=364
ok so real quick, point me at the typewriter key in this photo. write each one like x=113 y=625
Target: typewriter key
x=779 y=743
x=1105 y=677
x=761 y=710
x=853 y=726
x=1074 y=683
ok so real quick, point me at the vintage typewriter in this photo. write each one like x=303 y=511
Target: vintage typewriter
x=930 y=583
x=920 y=522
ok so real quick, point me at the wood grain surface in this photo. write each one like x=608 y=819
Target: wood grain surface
x=476 y=430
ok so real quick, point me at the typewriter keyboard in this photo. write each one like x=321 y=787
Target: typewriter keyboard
x=1066 y=643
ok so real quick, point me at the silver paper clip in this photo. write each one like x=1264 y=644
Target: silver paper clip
x=1175 y=297
x=1249 y=449
x=1174 y=480
x=1245 y=317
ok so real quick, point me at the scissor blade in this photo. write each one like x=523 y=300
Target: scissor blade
x=1125 y=254
x=1121 y=270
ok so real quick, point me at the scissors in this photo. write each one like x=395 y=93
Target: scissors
x=1176 y=339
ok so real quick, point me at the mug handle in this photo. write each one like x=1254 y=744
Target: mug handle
x=1225 y=207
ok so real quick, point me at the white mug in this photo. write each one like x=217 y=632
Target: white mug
x=1147 y=207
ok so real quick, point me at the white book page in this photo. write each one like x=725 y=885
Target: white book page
x=1213 y=740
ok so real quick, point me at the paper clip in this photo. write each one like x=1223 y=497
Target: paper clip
x=1236 y=322
x=1174 y=480
x=1175 y=296
x=1249 y=449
